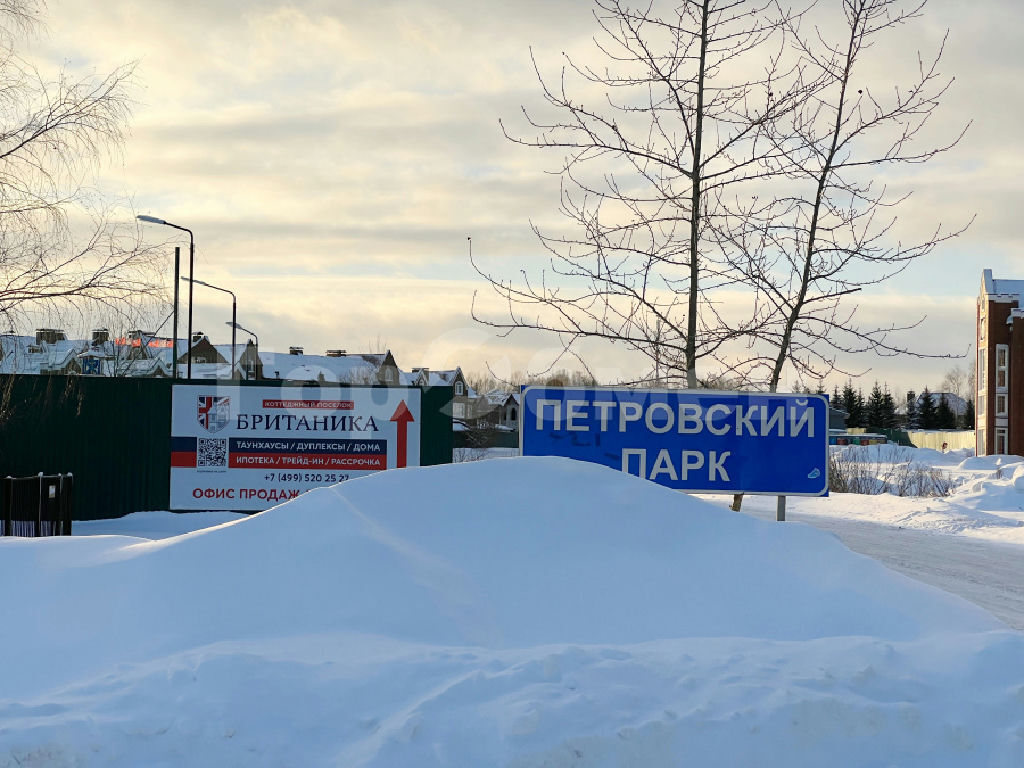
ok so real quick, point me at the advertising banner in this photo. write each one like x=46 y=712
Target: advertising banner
x=249 y=448
x=695 y=440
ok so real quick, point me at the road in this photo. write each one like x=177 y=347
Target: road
x=989 y=574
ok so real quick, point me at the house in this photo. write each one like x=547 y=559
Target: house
x=464 y=397
x=336 y=366
x=498 y=409
x=203 y=352
x=956 y=404
x=144 y=354
x=249 y=362
x=999 y=405
x=48 y=352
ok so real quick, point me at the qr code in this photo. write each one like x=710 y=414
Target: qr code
x=212 y=452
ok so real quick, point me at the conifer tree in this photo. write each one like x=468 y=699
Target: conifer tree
x=849 y=404
x=969 y=414
x=857 y=414
x=912 y=414
x=926 y=413
x=944 y=416
x=888 y=410
x=874 y=408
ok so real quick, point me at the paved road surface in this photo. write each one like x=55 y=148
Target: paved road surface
x=989 y=574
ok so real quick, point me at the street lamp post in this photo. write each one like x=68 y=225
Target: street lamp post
x=234 y=315
x=235 y=325
x=191 y=267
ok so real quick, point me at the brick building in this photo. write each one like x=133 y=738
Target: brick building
x=999 y=412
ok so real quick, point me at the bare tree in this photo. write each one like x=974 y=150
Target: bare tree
x=652 y=142
x=831 y=231
x=61 y=246
x=956 y=381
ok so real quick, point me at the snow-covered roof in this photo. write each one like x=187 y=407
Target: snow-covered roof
x=21 y=354
x=428 y=377
x=1001 y=287
x=498 y=397
x=349 y=369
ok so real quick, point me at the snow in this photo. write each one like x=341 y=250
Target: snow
x=987 y=502
x=510 y=612
x=154 y=525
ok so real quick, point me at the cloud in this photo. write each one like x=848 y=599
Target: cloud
x=333 y=155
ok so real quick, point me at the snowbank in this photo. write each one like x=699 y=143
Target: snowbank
x=154 y=525
x=510 y=612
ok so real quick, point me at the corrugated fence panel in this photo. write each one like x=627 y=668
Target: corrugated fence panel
x=113 y=435
x=436 y=435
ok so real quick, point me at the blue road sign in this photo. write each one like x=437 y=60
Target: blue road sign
x=695 y=440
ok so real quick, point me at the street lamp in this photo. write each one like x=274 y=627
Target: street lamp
x=191 y=265
x=235 y=325
x=234 y=314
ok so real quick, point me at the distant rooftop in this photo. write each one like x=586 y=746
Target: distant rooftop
x=1001 y=287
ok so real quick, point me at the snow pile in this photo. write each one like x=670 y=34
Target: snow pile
x=1000 y=488
x=519 y=612
x=155 y=525
x=892 y=453
x=989 y=463
x=982 y=496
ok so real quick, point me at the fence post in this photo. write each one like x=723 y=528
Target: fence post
x=39 y=508
x=67 y=490
x=8 y=528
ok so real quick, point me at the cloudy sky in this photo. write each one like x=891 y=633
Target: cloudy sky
x=332 y=156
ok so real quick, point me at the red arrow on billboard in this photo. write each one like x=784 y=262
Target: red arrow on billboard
x=402 y=418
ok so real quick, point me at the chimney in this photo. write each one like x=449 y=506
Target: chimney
x=100 y=336
x=49 y=335
x=335 y=352
x=197 y=336
x=295 y=350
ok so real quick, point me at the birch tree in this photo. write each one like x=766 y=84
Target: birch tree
x=61 y=245
x=653 y=137
x=832 y=230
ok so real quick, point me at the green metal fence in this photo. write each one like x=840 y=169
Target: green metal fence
x=113 y=435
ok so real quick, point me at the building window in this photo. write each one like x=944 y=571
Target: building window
x=459 y=410
x=1001 y=404
x=1001 y=440
x=1002 y=366
x=460 y=390
x=982 y=369
x=512 y=414
x=389 y=376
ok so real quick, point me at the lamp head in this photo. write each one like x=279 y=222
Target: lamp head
x=150 y=219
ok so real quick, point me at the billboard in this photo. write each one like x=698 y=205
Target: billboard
x=705 y=441
x=249 y=448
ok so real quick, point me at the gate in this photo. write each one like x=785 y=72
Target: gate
x=37 y=506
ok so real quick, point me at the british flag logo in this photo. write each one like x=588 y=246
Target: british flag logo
x=214 y=412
